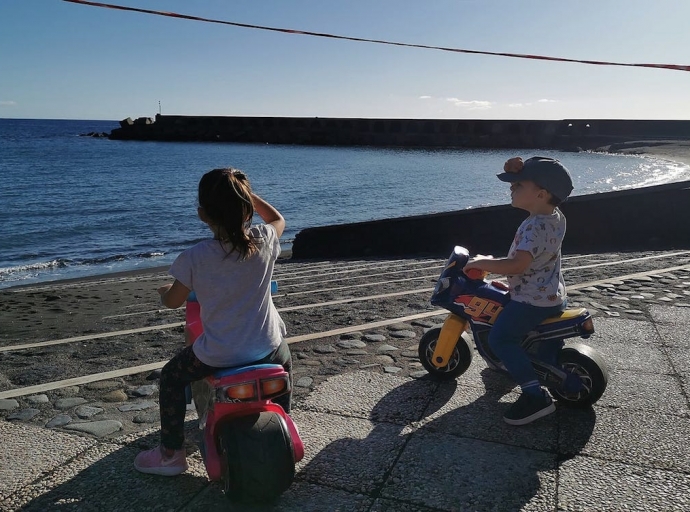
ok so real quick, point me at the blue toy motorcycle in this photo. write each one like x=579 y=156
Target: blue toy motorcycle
x=575 y=374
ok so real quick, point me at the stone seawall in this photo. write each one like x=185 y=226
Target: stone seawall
x=640 y=219
x=568 y=134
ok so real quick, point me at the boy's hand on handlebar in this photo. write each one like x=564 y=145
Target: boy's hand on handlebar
x=477 y=262
x=475 y=268
x=514 y=164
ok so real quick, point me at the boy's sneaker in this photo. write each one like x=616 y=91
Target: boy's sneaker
x=155 y=462
x=529 y=407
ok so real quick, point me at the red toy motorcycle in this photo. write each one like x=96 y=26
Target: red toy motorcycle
x=248 y=441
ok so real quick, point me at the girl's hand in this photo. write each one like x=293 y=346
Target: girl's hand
x=514 y=164
x=163 y=289
x=173 y=295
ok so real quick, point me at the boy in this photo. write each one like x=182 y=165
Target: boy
x=533 y=269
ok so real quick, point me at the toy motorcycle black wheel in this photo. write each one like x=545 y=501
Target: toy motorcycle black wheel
x=589 y=367
x=257 y=459
x=459 y=361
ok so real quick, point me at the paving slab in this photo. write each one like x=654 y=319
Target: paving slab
x=477 y=413
x=630 y=389
x=103 y=478
x=347 y=453
x=587 y=484
x=629 y=345
x=27 y=452
x=373 y=395
x=389 y=505
x=641 y=438
x=451 y=473
x=623 y=330
x=677 y=317
x=680 y=358
x=300 y=497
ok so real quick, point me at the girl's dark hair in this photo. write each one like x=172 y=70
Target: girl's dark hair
x=225 y=196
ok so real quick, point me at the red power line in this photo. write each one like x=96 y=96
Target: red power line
x=377 y=41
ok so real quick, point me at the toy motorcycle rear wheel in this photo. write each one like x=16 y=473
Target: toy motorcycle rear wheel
x=590 y=368
x=459 y=361
x=257 y=457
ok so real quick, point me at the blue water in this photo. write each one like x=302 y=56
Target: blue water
x=73 y=206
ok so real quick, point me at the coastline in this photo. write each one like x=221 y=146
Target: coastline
x=675 y=151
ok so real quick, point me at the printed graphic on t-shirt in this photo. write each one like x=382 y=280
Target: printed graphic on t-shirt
x=542 y=283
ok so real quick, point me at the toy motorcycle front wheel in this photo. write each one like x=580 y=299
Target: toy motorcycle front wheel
x=458 y=363
x=583 y=363
x=257 y=457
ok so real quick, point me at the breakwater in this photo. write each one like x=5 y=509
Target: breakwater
x=648 y=218
x=567 y=134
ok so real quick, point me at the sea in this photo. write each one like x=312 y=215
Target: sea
x=73 y=205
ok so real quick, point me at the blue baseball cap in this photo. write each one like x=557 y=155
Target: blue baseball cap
x=549 y=174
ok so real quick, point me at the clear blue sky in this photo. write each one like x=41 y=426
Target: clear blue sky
x=66 y=61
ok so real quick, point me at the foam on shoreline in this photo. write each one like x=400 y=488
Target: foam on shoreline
x=675 y=151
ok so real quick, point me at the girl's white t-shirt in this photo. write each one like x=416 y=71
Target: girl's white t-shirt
x=241 y=323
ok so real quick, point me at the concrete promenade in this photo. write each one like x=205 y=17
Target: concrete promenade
x=380 y=436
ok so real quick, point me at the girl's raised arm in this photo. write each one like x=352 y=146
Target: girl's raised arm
x=269 y=214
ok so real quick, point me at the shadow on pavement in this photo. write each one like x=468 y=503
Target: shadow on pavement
x=103 y=478
x=454 y=453
x=424 y=446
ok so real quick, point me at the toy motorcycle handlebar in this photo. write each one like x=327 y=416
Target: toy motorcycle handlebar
x=475 y=274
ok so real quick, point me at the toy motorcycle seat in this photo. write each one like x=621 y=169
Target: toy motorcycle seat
x=565 y=315
x=226 y=372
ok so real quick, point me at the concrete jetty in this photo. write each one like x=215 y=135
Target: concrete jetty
x=635 y=219
x=565 y=134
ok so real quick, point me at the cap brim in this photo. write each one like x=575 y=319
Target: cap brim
x=510 y=176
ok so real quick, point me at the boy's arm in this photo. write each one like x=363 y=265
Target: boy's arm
x=173 y=295
x=505 y=266
x=269 y=214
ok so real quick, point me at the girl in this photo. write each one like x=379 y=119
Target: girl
x=231 y=275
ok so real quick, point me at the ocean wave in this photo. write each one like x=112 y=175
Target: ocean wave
x=118 y=257
x=44 y=265
x=62 y=263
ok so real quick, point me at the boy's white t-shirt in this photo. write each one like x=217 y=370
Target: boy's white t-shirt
x=541 y=284
x=241 y=324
